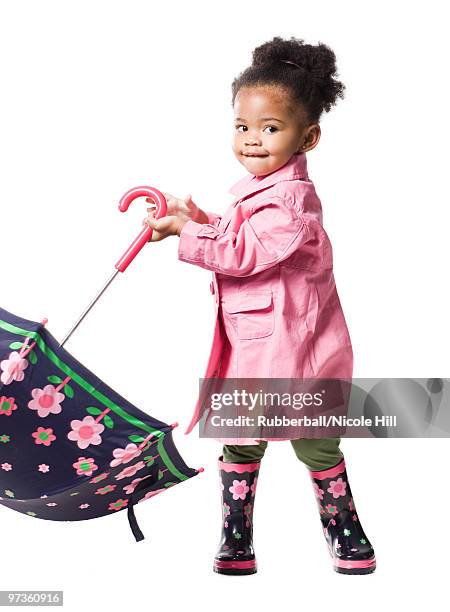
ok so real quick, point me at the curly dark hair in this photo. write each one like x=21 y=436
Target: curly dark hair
x=310 y=82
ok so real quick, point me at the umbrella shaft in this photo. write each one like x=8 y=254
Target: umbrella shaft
x=110 y=280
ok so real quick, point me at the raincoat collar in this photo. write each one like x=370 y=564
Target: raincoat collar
x=295 y=168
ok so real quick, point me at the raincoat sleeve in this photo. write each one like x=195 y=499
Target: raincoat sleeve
x=273 y=231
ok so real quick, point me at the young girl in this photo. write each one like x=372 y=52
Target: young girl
x=278 y=311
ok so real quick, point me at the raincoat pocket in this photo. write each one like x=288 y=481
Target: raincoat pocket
x=251 y=314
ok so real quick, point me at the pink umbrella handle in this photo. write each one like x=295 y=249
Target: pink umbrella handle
x=141 y=240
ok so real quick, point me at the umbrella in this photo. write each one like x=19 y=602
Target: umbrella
x=72 y=448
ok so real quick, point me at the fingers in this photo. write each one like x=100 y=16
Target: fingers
x=165 y=194
x=151 y=215
x=161 y=228
x=155 y=236
x=174 y=205
x=151 y=209
x=171 y=202
x=190 y=204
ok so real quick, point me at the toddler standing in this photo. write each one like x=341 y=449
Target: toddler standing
x=278 y=311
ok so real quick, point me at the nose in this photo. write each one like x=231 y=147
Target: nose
x=252 y=139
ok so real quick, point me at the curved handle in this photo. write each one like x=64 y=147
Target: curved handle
x=141 y=240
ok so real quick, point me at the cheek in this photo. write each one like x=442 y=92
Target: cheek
x=277 y=142
x=236 y=141
x=273 y=142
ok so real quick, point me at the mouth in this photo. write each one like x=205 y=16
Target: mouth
x=253 y=155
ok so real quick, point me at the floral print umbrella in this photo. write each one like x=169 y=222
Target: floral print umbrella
x=71 y=448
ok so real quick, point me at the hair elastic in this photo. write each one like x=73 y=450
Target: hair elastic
x=294 y=64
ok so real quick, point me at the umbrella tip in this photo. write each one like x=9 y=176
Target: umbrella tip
x=174 y=425
x=44 y=321
x=200 y=469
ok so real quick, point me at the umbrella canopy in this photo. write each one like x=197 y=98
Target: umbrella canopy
x=71 y=448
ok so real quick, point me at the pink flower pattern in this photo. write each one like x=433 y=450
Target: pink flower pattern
x=85 y=466
x=129 y=488
x=43 y=436
x=100 y=477
x=13 y=368
x=85 y=432
x=151 y=494
x=130 y=470
x=46 y=401
x=331 y=509
x=124 y=455
x=239 y=489
x=7 y=405
x=247 y=512
x=318 y=491
x=118 y=504
x=106 y=489
x=337 y=488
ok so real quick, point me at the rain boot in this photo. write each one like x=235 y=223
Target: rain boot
x=238 y=484
x=350 y=549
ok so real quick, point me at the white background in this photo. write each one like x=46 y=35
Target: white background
x=97 y=97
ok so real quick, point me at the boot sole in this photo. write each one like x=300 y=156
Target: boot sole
x=235 y=572
x=235 y=568
x=355 y=567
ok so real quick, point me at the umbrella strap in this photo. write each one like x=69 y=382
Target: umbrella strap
x=138 y=535
x=143 y=484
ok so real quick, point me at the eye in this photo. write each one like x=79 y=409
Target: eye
x=239 y=126
x=271 y=127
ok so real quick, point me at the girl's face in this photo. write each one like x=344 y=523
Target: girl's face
x=267 y=131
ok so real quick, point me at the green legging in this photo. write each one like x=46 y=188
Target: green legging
x=316 y=454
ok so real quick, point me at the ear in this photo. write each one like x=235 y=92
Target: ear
x=312 y=138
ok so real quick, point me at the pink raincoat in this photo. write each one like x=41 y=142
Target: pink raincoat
x=278 y=313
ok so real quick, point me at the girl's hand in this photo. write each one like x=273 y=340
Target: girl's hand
x=179 y=212
x=164 y=227
x=183 y=208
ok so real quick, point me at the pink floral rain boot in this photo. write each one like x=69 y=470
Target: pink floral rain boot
x=349 y=546
x=238 y=483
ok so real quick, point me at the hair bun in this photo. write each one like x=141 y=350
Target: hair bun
x=317 y=60
x=279 y=50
